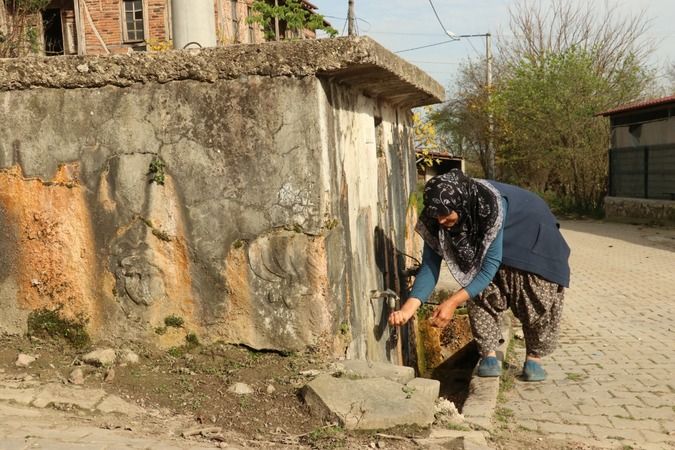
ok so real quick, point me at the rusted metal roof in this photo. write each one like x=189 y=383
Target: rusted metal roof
x=638 y=105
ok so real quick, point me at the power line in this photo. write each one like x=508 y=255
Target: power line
x=426 y=46
x=403 y=34
x=434 y=62
x=474 y=48
x=445 y=31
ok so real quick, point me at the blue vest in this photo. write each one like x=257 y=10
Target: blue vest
x=532 y=239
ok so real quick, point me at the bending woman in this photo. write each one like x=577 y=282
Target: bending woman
x=503 y=246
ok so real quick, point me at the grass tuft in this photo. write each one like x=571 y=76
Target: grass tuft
x=50 y=323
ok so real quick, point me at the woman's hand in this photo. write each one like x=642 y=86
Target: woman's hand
x=403 y=315
x=442 y=315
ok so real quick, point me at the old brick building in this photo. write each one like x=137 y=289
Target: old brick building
x=121 y=26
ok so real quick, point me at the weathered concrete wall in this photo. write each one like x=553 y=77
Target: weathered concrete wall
x=282 y=205
x=640 y=210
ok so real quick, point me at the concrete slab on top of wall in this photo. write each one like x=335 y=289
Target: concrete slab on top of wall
x=359 y=62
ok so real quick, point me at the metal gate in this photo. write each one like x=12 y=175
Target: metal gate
x=642 y=172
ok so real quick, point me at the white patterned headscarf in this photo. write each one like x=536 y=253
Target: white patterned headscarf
x=479 y=206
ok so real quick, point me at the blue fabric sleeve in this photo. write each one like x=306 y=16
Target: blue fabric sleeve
x=427 y=277
x=491 y=262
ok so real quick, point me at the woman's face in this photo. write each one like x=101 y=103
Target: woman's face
x=448 y=221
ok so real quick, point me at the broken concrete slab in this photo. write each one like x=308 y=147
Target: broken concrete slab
x=367 y=404
x=360 y=368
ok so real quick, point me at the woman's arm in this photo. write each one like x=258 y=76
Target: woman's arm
x=424 y=284
x=491 y=263
x=493 y=259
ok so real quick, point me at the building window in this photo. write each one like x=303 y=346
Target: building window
x=133 y=21
x=251 y=30
x=235 y=20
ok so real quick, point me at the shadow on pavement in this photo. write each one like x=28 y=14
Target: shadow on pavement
x=639 y=234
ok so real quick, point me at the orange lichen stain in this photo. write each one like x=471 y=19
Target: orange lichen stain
x=104 y=196
x=237 y=320
x=55 y=246
x=165 y=235
x=172 y=260
x=322 y=304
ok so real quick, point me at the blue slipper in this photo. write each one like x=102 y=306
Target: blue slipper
x=532 y=371
x=489 y=367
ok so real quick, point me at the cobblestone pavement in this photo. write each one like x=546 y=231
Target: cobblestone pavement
x=612 y=380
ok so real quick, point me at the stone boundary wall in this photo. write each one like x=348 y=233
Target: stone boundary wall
x=640 y=210
x=259 y=192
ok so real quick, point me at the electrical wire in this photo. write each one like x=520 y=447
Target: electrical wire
x=474 y=48
x=426 y=46
x=445 y=31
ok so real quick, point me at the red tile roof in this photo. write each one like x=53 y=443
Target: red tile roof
x=638 y=105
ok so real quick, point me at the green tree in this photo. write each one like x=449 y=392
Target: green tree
x=425 y=137
x=463 y=122
x=547 y=132
x=564 y=63
x=293 y=13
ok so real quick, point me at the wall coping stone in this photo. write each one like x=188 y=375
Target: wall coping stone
x=359 y=62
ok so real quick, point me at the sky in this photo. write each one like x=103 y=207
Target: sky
x=404 y=24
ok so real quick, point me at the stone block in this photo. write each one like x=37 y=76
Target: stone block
x=425 y=388
x=360 y=368
x=367 y=404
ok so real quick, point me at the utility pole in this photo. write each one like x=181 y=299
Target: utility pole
x=488 y=82
x=276 y=21
x=351 y=20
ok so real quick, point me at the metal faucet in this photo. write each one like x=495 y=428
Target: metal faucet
x=393 y=302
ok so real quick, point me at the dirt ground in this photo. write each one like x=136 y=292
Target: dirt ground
x=193 y=382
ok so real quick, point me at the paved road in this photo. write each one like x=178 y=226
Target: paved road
x=612 y=381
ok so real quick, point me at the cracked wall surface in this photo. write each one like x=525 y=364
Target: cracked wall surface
x=263 y=210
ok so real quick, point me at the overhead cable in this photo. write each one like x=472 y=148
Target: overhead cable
x=445 y=31
x=426 y=46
